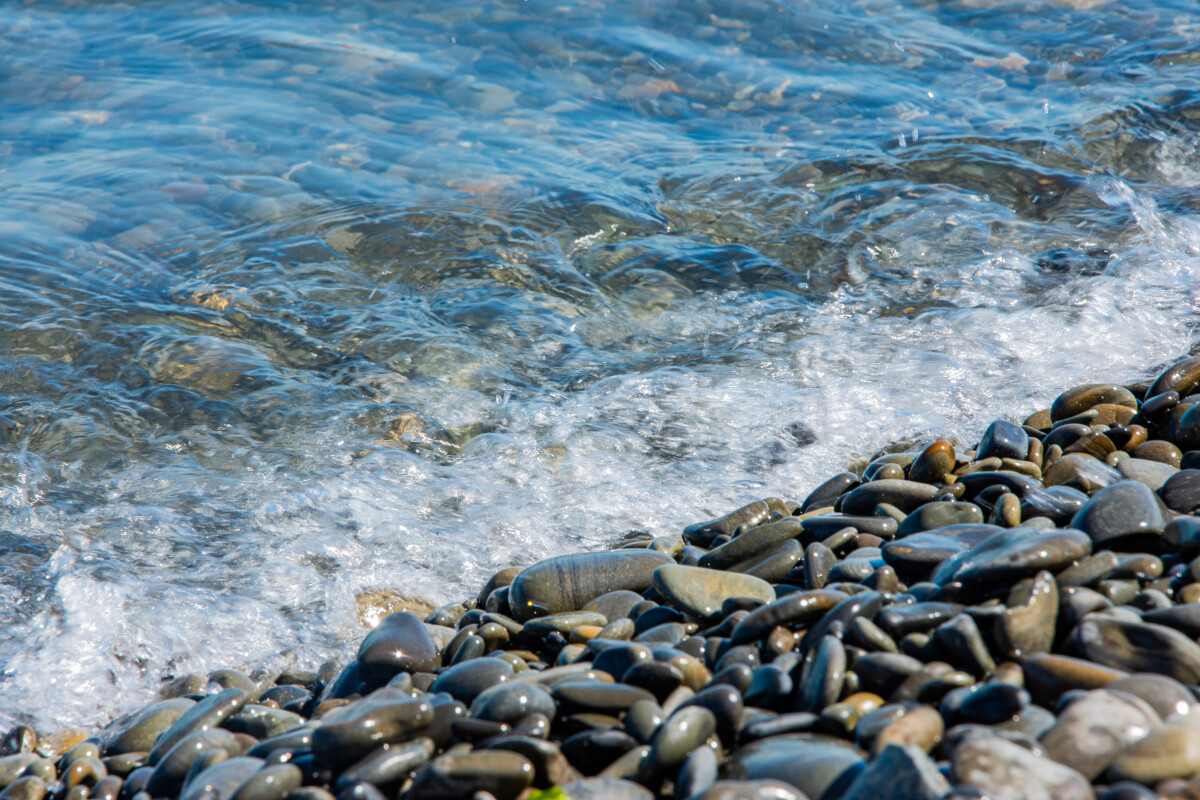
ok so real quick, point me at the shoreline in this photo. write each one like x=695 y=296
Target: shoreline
x=942 y=624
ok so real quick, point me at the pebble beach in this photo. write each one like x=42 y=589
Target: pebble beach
x=522 y=400
x=1014 y=619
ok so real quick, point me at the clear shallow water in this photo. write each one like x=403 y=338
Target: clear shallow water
x=300 y=302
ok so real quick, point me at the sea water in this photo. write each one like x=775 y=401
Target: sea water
x=302 y=304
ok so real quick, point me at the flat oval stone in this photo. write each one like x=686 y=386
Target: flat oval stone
x=904 y=495
x=566 y=583
x=797 y=608
x=400 y=643
x=1081 y=398
x=825 y=525
x=606 y=789
x=13 y=765
x=563 y=623
x=388 y=766
x=939 y=514
x=614 y=605
x=1165 y=695
x=749 y=515
x=1014 y=554
x=208 y=713
x=700 y=592
x=1095 y=729
x=466 y=681
x=1152 y=473
x=1048 y=676
x=1006 y=770
x=819 y=766
x=1003 y=439
x=171 y=770
x=137 y=731
x=1171 y=751
x=272 y=782
x=822 y=676
x=597 y=696
x=1181 y=491
x=1181 y=378
x=684 y=731
x=1080 y=471
x=772 y=564
x=220 y=781
x=501 y=773
x=1122 y=510
x=263 y=722
x=818 y=560
x=1136 y=647
x=935 y=464
x=385 y=716
x=915 y=556
x=918 y=726
x=512 y=702
x=750 y=542
x=1163 y=451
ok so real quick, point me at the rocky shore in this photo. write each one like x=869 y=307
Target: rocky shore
x=1017 y=619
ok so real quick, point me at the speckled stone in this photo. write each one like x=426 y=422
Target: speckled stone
x=566 y=583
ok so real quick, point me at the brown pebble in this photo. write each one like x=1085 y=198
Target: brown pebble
x=1159 y=450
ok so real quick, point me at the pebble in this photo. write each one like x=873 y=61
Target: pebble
x=1006 y=771
x=1171 y=751
x=898 y=772
x=1096 y=728
x=700 y=593
x=1121 y=510
x=566 y=583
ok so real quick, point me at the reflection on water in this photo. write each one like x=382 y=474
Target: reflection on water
x=304 y=301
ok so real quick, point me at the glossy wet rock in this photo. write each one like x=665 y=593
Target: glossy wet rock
x=1028 y=624
x=816 y=765
x=1097 y=728
x=1013 y=555
x=898 y=773
x=1137 y=647
x=1081 y=398
x=918 y=554
x=935 y=464
x=1007 y=771
x=208 y=713
x=903 y=494
x=750 y=542
x=138 y=730
x=700 y=592
x=1121 y=510
x=566 y=583
x=221 y=781
x=173 y=767
x=798 y=608
x=385 y=716
x=931 y=516
x=504 y=775
x=400 y=643
x=1170 y=751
